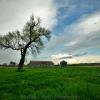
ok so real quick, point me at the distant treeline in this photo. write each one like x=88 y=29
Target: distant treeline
x=84 y=64
x=14 y=64
x=11 y=64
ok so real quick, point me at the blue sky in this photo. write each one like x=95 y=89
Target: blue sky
x=70 y=12
x=74 y=25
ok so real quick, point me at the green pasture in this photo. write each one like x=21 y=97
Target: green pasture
x=72 y=83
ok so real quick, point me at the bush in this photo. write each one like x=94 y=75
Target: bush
x=12 y=63
x=4 y=64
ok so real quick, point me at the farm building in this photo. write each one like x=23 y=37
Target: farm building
x=41 y=63
x=63 y=63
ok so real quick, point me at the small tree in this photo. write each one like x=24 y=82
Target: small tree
x=12 y=63
x=30 y=39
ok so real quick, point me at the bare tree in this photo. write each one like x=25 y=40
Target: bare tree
x=30 y=39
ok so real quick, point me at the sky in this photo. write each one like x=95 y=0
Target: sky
x=74 y=25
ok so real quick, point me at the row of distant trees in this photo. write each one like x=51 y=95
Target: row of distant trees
x=12 y=63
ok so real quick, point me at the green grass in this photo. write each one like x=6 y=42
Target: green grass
x=79 y=83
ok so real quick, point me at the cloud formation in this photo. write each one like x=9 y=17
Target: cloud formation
x=75 y=24
x=74 y=59
x=15 y=13
x=83 y=34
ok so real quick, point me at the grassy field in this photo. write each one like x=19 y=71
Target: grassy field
x=79 y=83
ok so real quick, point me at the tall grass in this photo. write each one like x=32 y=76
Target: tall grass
x=50 y=84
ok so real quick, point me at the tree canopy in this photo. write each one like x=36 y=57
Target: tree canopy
x=29 y=38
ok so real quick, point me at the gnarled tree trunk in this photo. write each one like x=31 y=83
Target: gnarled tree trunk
x=23 y=54
x=22 y=60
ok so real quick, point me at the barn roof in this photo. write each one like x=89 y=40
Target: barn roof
x=41 y=62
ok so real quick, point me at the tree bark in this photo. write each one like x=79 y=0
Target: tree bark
x=22 y=60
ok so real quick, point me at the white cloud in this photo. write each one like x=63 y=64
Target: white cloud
x=83 y=34
x=87 y=24
x=89 y=59
x=60 y=56
x=87 y=33
x=67 y=57
x=71 y=59
x=15 y=13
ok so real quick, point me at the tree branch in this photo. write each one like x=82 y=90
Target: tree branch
x=8 y=46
